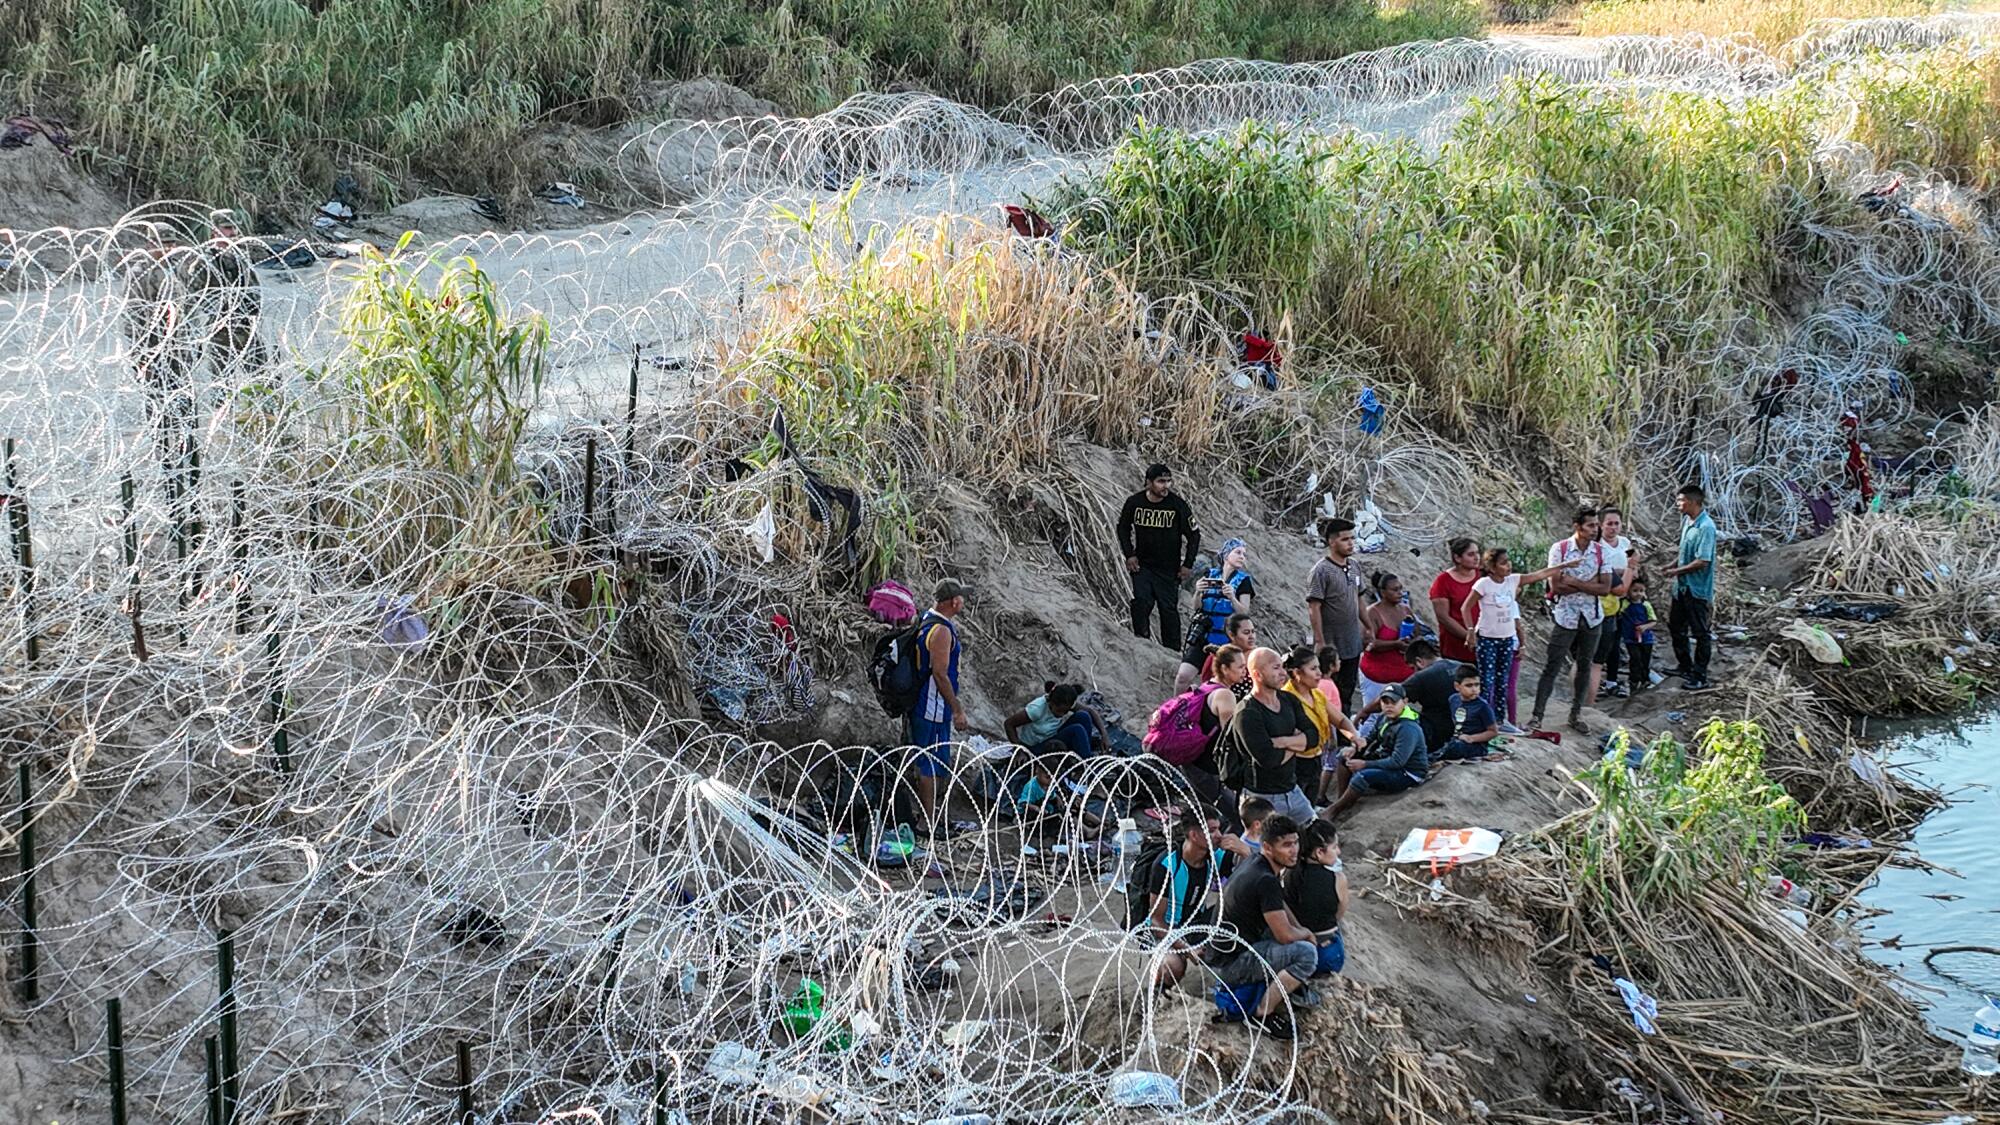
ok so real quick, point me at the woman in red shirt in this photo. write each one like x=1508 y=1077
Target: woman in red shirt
x=1448 y=593
x=1388 y=626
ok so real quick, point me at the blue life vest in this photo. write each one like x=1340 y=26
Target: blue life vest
x=1217 y=606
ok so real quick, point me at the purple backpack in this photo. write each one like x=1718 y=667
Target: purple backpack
x=1174 y=732
x=891 y=603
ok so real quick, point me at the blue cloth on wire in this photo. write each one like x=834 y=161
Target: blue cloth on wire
x=1372 y=411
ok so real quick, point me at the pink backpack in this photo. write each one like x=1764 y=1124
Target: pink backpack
x=891 y=603
x=1174 y=733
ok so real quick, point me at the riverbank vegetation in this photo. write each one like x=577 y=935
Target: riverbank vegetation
x=239 y=101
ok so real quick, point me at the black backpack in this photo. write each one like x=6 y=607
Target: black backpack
x=896 y=671
x=1139 y=881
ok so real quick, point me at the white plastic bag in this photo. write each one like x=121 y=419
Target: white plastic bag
x=1447 y=845
x=1136 y=1088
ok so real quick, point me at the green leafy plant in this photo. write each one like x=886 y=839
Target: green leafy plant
x=1676 y=822
x=440 y=374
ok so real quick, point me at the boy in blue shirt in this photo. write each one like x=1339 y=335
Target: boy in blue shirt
x=1472 y=718
x=1636 y=622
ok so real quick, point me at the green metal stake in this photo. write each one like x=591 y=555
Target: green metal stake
x=241 y=552
x=588 y=532
x=114 y=1057
x=214 y=1077
x=281 y=739
x=128 y=493
x=466 y=1115
x=225 y=971
x=24 y=553
x=31 y=942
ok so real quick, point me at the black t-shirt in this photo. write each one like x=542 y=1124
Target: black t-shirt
x=1434 y=690
x=1184 y=884
x=1250 y=735
x=1313 y=892
x=1253 y=891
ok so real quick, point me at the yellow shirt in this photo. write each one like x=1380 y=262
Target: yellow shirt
x=1314 y=705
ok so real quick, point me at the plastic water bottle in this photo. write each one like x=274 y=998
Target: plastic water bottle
x=1982 y=1043
x=1128 y=851
x=1785 y=890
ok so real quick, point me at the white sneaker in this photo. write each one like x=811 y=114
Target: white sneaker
x=1511 y=729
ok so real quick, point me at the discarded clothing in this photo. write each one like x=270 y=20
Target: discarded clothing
x=21 y=130
x=1027 y=223
x=1373 y=411
x=1867 y=613
x=1645 y=1010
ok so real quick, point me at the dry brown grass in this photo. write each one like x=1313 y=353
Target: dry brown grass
x=1769 y=24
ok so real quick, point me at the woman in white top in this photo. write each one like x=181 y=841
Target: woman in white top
x=1495 y=606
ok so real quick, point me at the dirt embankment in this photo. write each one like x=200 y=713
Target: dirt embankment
x=1463 y=999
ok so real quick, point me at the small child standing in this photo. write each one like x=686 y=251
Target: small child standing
x=1474 y=720
x=1636 y=623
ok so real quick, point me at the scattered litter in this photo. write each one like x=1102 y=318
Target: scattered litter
x=763 y=531
x=733 y=1064
x=1373 y=411
x=20 y=131
x=1437 y=890
x=1530 y=998
x=1785 y=890
x=1818 y=643
x=1452 y=845
x=1368 y=534
x=333 y=211
x=1645 y=1010
x=799 y=1089
x=1950 y=666
x=964 y=1033
x=561 y=193
x=1676 y=716
x=864 y=1025
x=401 y=627
x=1136 y=1088
x=1868 y=613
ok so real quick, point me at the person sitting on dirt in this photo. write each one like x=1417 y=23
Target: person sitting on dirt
x=1178 y=885
x=1225 y=667
x=1303 y=679
x=1477 y=725
x=1390 y=628
x=1398 y=760
x=938 y=712
x=1429 y=687
x=1051 y=725
x=1316 y=890
x=1258 y=939
x=1268 y=730
x=1329 y=692
x=1224 y=593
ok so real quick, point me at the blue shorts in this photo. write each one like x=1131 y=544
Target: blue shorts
x=1380 y=780
x=933 y=744
x=1459 y=751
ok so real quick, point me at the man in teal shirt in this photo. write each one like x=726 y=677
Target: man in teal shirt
x=1690 y=613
